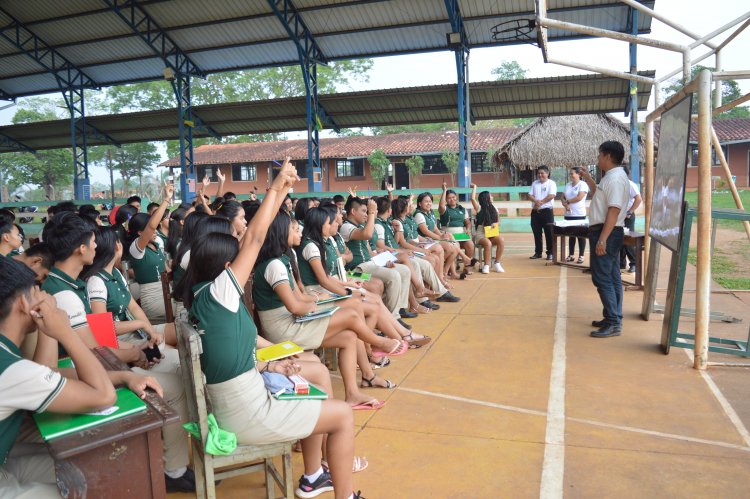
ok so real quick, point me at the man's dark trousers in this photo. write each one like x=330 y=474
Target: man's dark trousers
x=539 y=221
x=605 y=273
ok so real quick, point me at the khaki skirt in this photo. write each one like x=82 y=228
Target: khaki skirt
x=152 y=302
x=244 y=406
x=279 y=325
x=455 y=230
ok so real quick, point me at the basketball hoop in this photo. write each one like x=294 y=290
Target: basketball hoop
x=515 y=30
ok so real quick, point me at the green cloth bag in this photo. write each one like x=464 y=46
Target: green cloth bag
x=219 y=442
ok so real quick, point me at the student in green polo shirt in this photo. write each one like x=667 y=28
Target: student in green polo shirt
x=26 y=469
x=72 y=242
x=148 y=259
x=10 y=239
x=108 y=292
x=318 y=268
x=212 y=290
x=454 y=219
x=428 y=227
x=39 y=259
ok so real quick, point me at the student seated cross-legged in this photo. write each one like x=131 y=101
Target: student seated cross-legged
x=72 y=242
x=212 y=292
x=27 y=470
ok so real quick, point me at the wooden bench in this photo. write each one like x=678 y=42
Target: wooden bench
x=245 y=458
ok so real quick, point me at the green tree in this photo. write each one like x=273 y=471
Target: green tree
x=134 y=161
x=415 y=164
x=378 y=167
x=730 y=90
x=423 y=127
x=450 y=160
x=509 y=70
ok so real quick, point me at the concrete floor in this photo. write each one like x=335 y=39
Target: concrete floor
x=514 y=399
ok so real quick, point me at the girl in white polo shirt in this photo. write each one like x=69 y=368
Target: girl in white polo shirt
x=574 y=201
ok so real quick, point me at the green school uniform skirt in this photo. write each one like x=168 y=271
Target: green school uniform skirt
x=244 y=406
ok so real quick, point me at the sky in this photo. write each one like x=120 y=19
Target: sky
x=700 y=16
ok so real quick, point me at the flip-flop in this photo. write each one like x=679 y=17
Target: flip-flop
x=372 y=405
x=399 y=350
x=418 y=343
x=368 y=383
x=359 y=464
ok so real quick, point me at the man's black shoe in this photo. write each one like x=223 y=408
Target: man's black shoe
x=600 y=323
x=549 y=257
x=407 y=326
x=607 y=332
x=535 y=257
x=406 y=314
x=447 y=296
x=185 y=483
x=429 y=304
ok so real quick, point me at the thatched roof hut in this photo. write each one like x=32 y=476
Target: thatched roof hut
x=565 y=141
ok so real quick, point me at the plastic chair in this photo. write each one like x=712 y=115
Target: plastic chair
x=245 y=458
x=166 y=290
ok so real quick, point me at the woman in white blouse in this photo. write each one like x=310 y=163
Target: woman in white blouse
x=574 y=201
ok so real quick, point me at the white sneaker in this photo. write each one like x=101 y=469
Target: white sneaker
x=498 y=267
x=485 y=269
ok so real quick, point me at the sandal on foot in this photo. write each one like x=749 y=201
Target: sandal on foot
x=371 y=405
x=421 y=309
x=359 y=464
x=368 y=383
x=384 y=362
x=417 y=343
x=399 y=349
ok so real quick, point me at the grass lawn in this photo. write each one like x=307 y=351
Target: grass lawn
x=724 y=269
x=723 y=199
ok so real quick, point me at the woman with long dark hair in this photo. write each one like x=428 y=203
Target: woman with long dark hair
x=428 y=227
x=147 y=258
x=454 y=219
x=212 y=291
x=108 y=292
x=487 y=217
x=235 y=213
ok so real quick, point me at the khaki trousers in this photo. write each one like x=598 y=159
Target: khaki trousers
x=29 y=473
x=397 y=281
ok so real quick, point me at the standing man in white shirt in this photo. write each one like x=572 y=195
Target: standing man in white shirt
x=633 y=204
x=542 y=194
x=607 y=217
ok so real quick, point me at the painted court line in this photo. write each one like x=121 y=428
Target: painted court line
x=473 y=401
x=723 y=402
x=553 y=467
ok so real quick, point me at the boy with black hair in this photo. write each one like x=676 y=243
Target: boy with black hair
x=340 y=201
x=39 y=259
x=135 y=202
x=72 y=242
x=229 y=195
x=11 y=239
x=27 y=470
x=357 y=231
x=151 y=207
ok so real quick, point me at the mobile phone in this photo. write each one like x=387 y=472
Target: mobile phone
x=152 y=353
x=356 y=274
x=170 y=178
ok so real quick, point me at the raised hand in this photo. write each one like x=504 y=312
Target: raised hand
x=445 y=186
x=353 y=191
x=168 y=191
x=372 y=206
x=220 y=175
x=388 y=187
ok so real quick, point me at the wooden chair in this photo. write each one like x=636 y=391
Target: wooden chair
x=166 y=290
x=246 y=458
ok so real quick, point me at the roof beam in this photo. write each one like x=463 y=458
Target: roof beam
x=9 y=143
x=66 y=73
x=298 y=31
x=154 y=36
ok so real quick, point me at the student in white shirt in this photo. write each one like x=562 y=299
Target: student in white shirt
x=633 y=204
x=574 y=202
x=542 y=194
x=607 y=216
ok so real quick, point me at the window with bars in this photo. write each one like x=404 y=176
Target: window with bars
x=244 y=173
x=210 y=171
x=714 y=157
x=350 y=167
x=480 y=163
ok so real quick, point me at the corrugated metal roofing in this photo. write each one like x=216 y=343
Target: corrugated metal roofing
x=225 y=35
x=587 y=94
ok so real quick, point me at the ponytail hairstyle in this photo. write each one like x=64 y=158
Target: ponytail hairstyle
x=189 y=229
x=229 y=209
x=208 y=258
x=137 y=223
x=487 y=214
x=301 y=208
x=313 y=228
x=176 y=220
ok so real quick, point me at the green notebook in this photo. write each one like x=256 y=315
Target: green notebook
x=461 y=236
x=315 y=394
x=53 y=425
x=358 y=275
x=319 y=314
x=66 y=363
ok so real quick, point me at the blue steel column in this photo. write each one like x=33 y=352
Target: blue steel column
x=181 y=87
x=464 y=163
x=635 y=170
x=75 y=101
x=314 y=171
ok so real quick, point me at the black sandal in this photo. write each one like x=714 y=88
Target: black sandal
x=368 y=383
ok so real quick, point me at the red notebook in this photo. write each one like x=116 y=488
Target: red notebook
x=103 y=327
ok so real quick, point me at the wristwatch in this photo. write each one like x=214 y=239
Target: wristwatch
x=601 y=243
